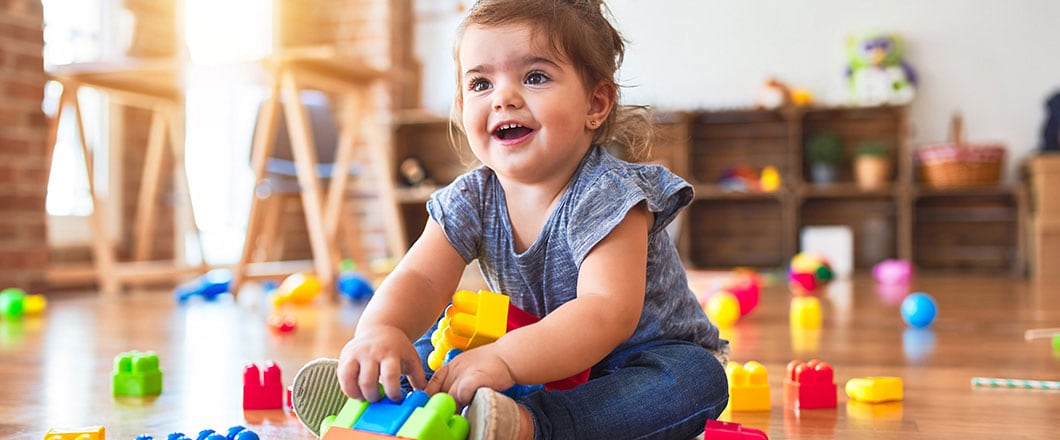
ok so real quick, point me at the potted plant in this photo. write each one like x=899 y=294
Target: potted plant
x=824 y=152
x=873 y=165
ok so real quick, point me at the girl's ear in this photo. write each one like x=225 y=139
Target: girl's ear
x=601 y=102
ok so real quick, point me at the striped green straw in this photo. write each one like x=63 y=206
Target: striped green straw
x=991 y=382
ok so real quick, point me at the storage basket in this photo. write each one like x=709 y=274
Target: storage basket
x=958 y=164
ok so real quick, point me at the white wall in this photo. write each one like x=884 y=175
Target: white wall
x=996 y=61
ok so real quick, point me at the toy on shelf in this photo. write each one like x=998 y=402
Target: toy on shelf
x=808 y=272
x=742 y=178
x=262 y=388
x=875 y=389
x=137 y=374
x=748 y=386
x=919 y=310
x=298 y=288
x=352 y=284
x=476 y=319
x=237 y=432
x=282 y=323
x=715 y=430
x=809 y=385
x=415 y=417
x=208 y=286
x=88 y=433
x=15 y=303
x=805 y=312
x=893 y=272
x=877 y=72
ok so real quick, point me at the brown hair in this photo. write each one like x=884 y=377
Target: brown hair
x=580 y=31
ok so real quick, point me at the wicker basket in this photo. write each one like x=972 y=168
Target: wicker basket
x=958 y=164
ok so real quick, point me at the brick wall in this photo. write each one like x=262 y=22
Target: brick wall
x=24 y=155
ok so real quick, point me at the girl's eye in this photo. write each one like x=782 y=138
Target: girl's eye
x=536 y=78
x=478 y=85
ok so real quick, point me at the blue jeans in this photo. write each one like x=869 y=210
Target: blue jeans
x=665 y=389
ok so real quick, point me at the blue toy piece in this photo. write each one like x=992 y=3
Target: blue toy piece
x=352 y=284
x=237 y=432
x=387 y=416
x=919 y=310
x=208 y=286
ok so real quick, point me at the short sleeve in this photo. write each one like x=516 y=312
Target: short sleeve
x=607 y=200
x=457 y=209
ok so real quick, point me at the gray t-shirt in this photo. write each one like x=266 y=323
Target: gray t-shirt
x=472 y=212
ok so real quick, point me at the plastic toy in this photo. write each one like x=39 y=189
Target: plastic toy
x=262 y=389
x=476 y=319
x=352 y=284
x=748 y=386
x=715 y=430
x=746 y=286
x=1023 y=384
x=877 y=73
x=14 y=303
x=89 y=433
x=809 y=385
x=893 y=272
x=808 y=272
x=723 y=309
x=415 y=417
x=137 y=374
x=237 y=432
x=208 y=286
x=298 y=288
x=282 y=323
x=919 y=310
x=874 y=389
x=805 y=312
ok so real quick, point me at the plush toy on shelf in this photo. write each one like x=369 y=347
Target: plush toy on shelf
x=877 y=73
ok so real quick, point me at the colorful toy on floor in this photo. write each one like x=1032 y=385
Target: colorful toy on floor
x=282 y=323
x=715 y=430
x=809 y=385
x=808 y=272
x=476 y=319
x=137 y=374
x=15 y=303
x=748 y=386
x=891 y=272
x=262 y=388
x=877 y=389
x=237 y=432
x=352 y=284
x=89 y=433
x=723 y=309
x=415 y=417
x=209 y=286
x=805 y=312
x=298 y=288
x=919 y=310
x=1022 y=384
x=746 y=285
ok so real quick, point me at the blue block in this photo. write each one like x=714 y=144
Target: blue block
x=386 y=416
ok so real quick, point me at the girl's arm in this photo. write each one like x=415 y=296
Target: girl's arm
x=578 y=334
x=402 y=309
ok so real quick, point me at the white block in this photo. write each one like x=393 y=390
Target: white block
x=836 y=243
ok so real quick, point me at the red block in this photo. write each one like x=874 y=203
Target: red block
x=730 y=431
x=262 y=389
x=518 y=318
x=809 y=385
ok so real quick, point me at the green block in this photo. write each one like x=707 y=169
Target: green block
x=1056 y=342
x=137 y=374
x=437 y=420
x=347 y=416
x=12 y=302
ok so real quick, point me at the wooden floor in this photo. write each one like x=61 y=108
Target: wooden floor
x=55 y=369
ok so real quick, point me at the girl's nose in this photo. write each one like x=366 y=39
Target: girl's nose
x=506 y=97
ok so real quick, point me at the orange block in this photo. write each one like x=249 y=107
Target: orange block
x=340 y=433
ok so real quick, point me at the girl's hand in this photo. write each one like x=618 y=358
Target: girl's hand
x=471 y=370
x=379 y=355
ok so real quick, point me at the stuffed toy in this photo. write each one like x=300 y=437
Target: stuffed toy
x=877 y=74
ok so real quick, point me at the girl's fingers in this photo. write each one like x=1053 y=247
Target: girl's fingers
x=414 y=371
x=368 y=381
x=390 y=377
x=348 y=373
x=435 y=385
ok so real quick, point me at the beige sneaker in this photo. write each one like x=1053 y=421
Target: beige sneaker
x=492 y=416
x=316 y=393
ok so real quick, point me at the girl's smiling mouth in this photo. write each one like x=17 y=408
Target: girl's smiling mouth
x=511 y=133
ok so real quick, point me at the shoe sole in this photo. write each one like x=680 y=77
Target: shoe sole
x=491 y=417
x=316 y=393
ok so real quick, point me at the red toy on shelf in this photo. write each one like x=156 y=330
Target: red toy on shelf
x=262 y=389
x=809 y=385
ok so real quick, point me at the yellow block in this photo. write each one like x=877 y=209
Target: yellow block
x=89 y=433
x=875 y=389
x=748 y=386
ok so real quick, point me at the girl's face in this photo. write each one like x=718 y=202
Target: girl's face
x=525 y=111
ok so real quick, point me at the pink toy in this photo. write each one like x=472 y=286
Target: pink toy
x=893 y=272
x=746 y=286
x=730 y=431
x=282 y=324
x=808 y=272
x=262 y=389
x=809 y=385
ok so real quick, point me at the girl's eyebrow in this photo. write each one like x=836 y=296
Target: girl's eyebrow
x=528 y=60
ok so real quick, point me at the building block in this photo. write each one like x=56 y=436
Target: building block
x=805 y=312
x=262 y=389
x=387 y=416
x=437 y=420
x=715 y=430
x=347 y=416
x=340 y=433
x=137 y=374
x=809 y=385
x=237 y=432
x=875 y=389
x=748 y=386
x=89 y=433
